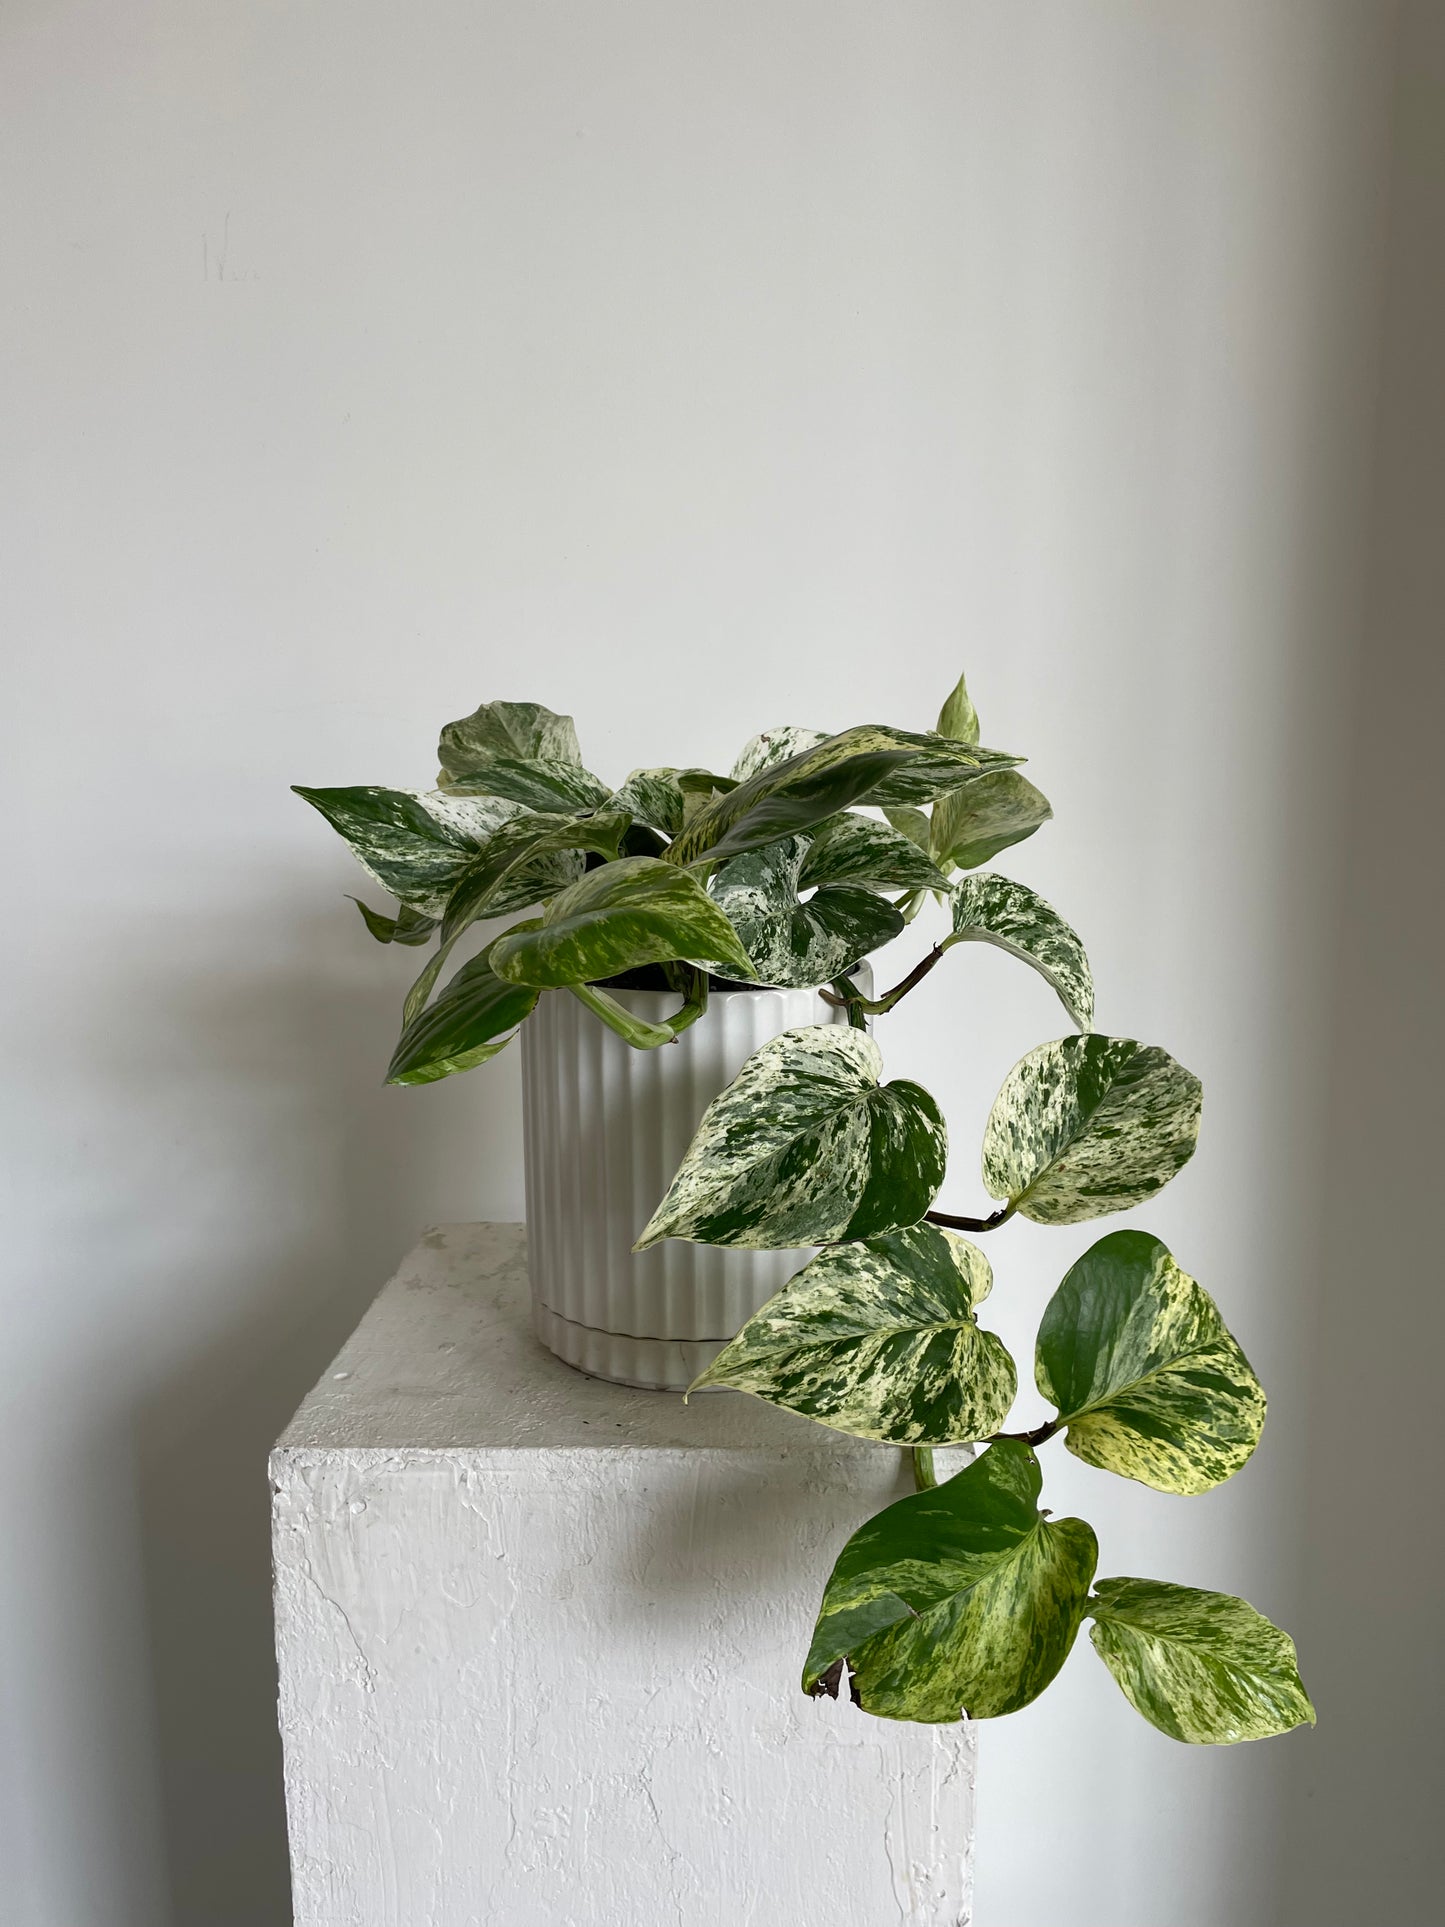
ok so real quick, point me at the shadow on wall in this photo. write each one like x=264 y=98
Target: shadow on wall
x=303 y=1053
x=1360 y=1839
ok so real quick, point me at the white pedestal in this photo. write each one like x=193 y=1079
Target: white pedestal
x=540 y=1638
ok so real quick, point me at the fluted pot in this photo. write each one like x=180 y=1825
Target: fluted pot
x=606 y=1127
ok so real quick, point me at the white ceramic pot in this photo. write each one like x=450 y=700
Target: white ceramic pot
x=606 y=1127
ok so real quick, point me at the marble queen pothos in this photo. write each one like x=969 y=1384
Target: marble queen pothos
x=966 y=1598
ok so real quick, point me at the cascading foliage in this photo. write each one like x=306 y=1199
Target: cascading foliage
x=965 y=1598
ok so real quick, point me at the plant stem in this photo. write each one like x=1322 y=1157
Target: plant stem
x=850 y=998
x=924 y=1476
x=878 y=1006
x=1037 y=1437
x=991 y=1223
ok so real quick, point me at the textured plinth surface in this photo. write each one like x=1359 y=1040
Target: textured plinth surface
x=539 y=1642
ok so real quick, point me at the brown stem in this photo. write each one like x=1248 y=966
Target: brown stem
x=992 y=1223
x=1037 y=1437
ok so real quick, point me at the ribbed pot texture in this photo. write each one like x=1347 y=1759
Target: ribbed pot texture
x=606 y=1128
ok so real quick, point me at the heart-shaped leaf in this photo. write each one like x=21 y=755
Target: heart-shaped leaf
x=791 y=943
x=1203 y=1667
x=972 y=824
x=960 y=1600
x=877 y=1338
x=859 y=849
x=637 y=911
x=519 y=730
x=784 y=798
x=958 y=717
x=996 y=910
x=806 y=1147
x=1087 y=1126
x=416 y=843
x=1138 y=1361
x=475 y=1016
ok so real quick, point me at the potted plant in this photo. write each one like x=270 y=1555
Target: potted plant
x=712 y=929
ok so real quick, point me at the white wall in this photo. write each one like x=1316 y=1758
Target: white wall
x=697 y=368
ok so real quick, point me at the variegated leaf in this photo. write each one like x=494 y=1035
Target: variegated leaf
x=1089 y=1125
x=476 y=1015
x=996 y=910
x=519 y=730
x=962 y=1600
x=805 y=1147
x=784 y=798
x=878 y=1339
x=859 y=849
x=406 y=927
x=1204 y=1667
x=660 y=797
x=536 y=782
x=791 y=943
x=637 y=911
x=1144 y=1374
x=958 y=717
x=774 y=746
x=531 y=857
x=997 y=809
x=416 y=843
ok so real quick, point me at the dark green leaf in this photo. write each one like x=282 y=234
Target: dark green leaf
x=475 y=1016
x=961 y=1600
x=1087 y=1126
x=408 y=926
x=878 y=1338
x=1203 y=1667
x=806 y=1147
x=637 y=911
x=1146 y=1377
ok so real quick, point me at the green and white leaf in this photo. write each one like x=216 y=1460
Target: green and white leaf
x=637 y=911
x=1204 y=1667
x=660 y=798
x=1144 y=1372
x=960 y=1600
x=1089 y=1125
x=476 y=1015
x=806 y=1147
x=785 y=798
x=772 y=746
x=406 y=927
x=877 y=1338
x=537 y=783
x=859 y=849
x=522 y=731
x=994 y=909
x=938 y=766
x=997 y=809
x=958 y=717
x=415 y=843
x=532 y=856
x=792 y=943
